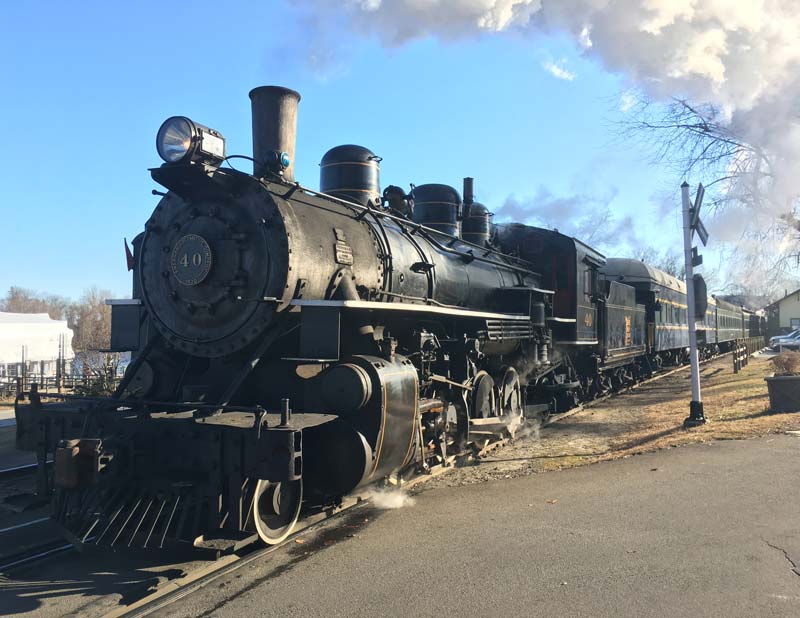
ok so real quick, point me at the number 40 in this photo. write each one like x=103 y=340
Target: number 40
x=197 y=259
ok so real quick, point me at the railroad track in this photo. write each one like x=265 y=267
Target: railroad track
x=177 y=589
x=36 y=554
x=626 y=389
x=40 y=551
x=16 y=471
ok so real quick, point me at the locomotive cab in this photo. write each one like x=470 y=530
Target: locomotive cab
x=569 y=267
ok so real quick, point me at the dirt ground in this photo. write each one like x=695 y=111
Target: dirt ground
x=646 y=418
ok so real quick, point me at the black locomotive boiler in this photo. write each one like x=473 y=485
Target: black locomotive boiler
x=289 y=346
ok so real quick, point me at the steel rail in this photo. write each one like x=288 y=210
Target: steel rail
x=24 y=524
x=172 y=591
x=18 y=470
x=201 y=578
x=35 y=554
x=175 y=591
x=21 y=470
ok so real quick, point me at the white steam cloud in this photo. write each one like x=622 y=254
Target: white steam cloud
x=743 y=56
x=391 y=498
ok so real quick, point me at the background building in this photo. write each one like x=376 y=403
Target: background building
x=32 y=344
x=783 y=315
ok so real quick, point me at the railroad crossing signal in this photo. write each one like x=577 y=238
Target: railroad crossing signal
x=694 y=286
x=697 y=259
x=694 y=212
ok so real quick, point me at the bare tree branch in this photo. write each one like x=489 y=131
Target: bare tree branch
x=696 y=140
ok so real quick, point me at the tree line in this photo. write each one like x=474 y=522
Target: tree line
x=89 y=318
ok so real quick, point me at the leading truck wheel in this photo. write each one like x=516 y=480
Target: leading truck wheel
x=276 y=508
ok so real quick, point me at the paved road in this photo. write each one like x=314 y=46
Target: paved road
x=705 y=530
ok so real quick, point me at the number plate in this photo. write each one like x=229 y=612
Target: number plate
x=191 y=259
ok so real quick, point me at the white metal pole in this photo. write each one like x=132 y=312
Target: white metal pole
x=696 y=406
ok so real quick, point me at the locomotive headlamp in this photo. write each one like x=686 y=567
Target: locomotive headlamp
x=181 y=140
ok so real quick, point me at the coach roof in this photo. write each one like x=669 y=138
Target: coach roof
x=634 y=271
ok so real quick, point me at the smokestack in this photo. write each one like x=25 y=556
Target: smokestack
x=274 y=129
x=469 y=196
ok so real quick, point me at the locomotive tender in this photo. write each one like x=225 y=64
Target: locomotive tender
x=289 y=346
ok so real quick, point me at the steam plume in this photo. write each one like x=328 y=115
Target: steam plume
x=392 y=498
x=741 y=56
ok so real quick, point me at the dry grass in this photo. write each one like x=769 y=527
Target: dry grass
x=645 y=419
x=787 y=363
x=736 y=405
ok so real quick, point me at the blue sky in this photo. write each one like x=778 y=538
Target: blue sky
x=86 y=85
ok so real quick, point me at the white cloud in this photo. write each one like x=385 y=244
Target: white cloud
x=585 y=37
x=742 y=56
x=557 y=71
x=627 y=100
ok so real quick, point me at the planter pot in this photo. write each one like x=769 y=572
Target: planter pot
x=784 y=393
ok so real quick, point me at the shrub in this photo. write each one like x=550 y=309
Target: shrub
x=787 y=364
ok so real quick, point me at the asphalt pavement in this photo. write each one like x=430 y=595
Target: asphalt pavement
x=701 y=530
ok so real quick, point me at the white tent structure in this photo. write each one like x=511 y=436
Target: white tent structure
x=36 y=340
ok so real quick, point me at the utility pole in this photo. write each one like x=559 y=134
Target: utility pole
x=24 y=368
x=59 y=367
x=692 y=223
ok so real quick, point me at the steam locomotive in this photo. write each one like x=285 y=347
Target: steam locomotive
x=290 y=346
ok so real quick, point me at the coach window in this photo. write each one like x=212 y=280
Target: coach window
x=587 y=283
x=590 y=283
